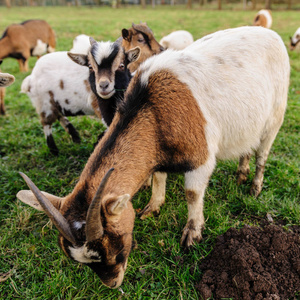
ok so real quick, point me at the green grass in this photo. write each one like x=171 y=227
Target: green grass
x=33 y=267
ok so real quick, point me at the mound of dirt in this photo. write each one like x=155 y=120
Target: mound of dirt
x=253 y=264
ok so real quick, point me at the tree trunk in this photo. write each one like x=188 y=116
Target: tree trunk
x=253 y=4
x=289 y=4
x=244 y=4
x=143 y=3
x=8 y=4
x=189 y=4
x=219 y=4
x=268 y=4
x=153 y=3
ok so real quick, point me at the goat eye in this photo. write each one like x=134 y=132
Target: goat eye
x=141 y=40
x=90 y=67
x=120 y=258
x=121 y=67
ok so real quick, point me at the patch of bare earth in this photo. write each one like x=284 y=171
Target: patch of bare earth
x=253 y=263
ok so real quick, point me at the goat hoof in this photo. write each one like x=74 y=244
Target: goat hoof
x=76 y=140
x=54 y=151
x=255 y=190
x=147 y=212
x=191 y=235
x=241 y=178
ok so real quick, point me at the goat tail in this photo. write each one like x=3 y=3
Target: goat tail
x=25 y=87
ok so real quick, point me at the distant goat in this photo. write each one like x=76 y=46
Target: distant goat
x=263 y=18
x=295 y=40
x=140 y=36
x=177 y=40
x=58 y=88
x=5 y=80
x=30 y=38
x=81 y=44
x=182 y=111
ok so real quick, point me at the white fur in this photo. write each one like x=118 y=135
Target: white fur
x=177 y=40
x=40 y=48
x=78 y=225
x=81 y=44
x=239 y=78
x=47 y=75
x=83 y=255
x=266 y=13
x=103 y=51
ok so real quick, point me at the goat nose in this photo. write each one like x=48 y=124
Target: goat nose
x=104 y=84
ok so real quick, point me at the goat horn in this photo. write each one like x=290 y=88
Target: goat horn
x=56 y=217
x=94 y=228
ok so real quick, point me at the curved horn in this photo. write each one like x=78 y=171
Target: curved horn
x=94 y=228
x=56 y=217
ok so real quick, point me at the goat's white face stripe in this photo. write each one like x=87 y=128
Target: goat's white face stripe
x=103 y=51
x=83 y=255
x=77 y=225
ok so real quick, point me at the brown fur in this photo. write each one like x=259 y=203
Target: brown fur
x=20 y=39
x=135 y=36
x=2 y=95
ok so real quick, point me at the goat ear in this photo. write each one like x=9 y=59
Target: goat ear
x=117 y=205
x=80 y=59
x=133 y=54
x=27 y=196
x=125 y=34
x=92 y=41
x=6 y=79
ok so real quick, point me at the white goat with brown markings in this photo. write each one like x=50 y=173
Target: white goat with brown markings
x=58 y=87
x=217 y=99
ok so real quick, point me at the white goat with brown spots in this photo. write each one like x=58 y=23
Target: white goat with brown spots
x=30 y=38
x=58 y=88
x=217 y=99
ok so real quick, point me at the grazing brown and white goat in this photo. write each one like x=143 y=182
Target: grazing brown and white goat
x=30 y=38
x=183 y=110
x=5 y=80
x=141 y=36
x=263 y=18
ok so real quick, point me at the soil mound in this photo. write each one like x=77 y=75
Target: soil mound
x=253 y=264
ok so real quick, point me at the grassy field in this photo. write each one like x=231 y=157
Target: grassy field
x=32 y=266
